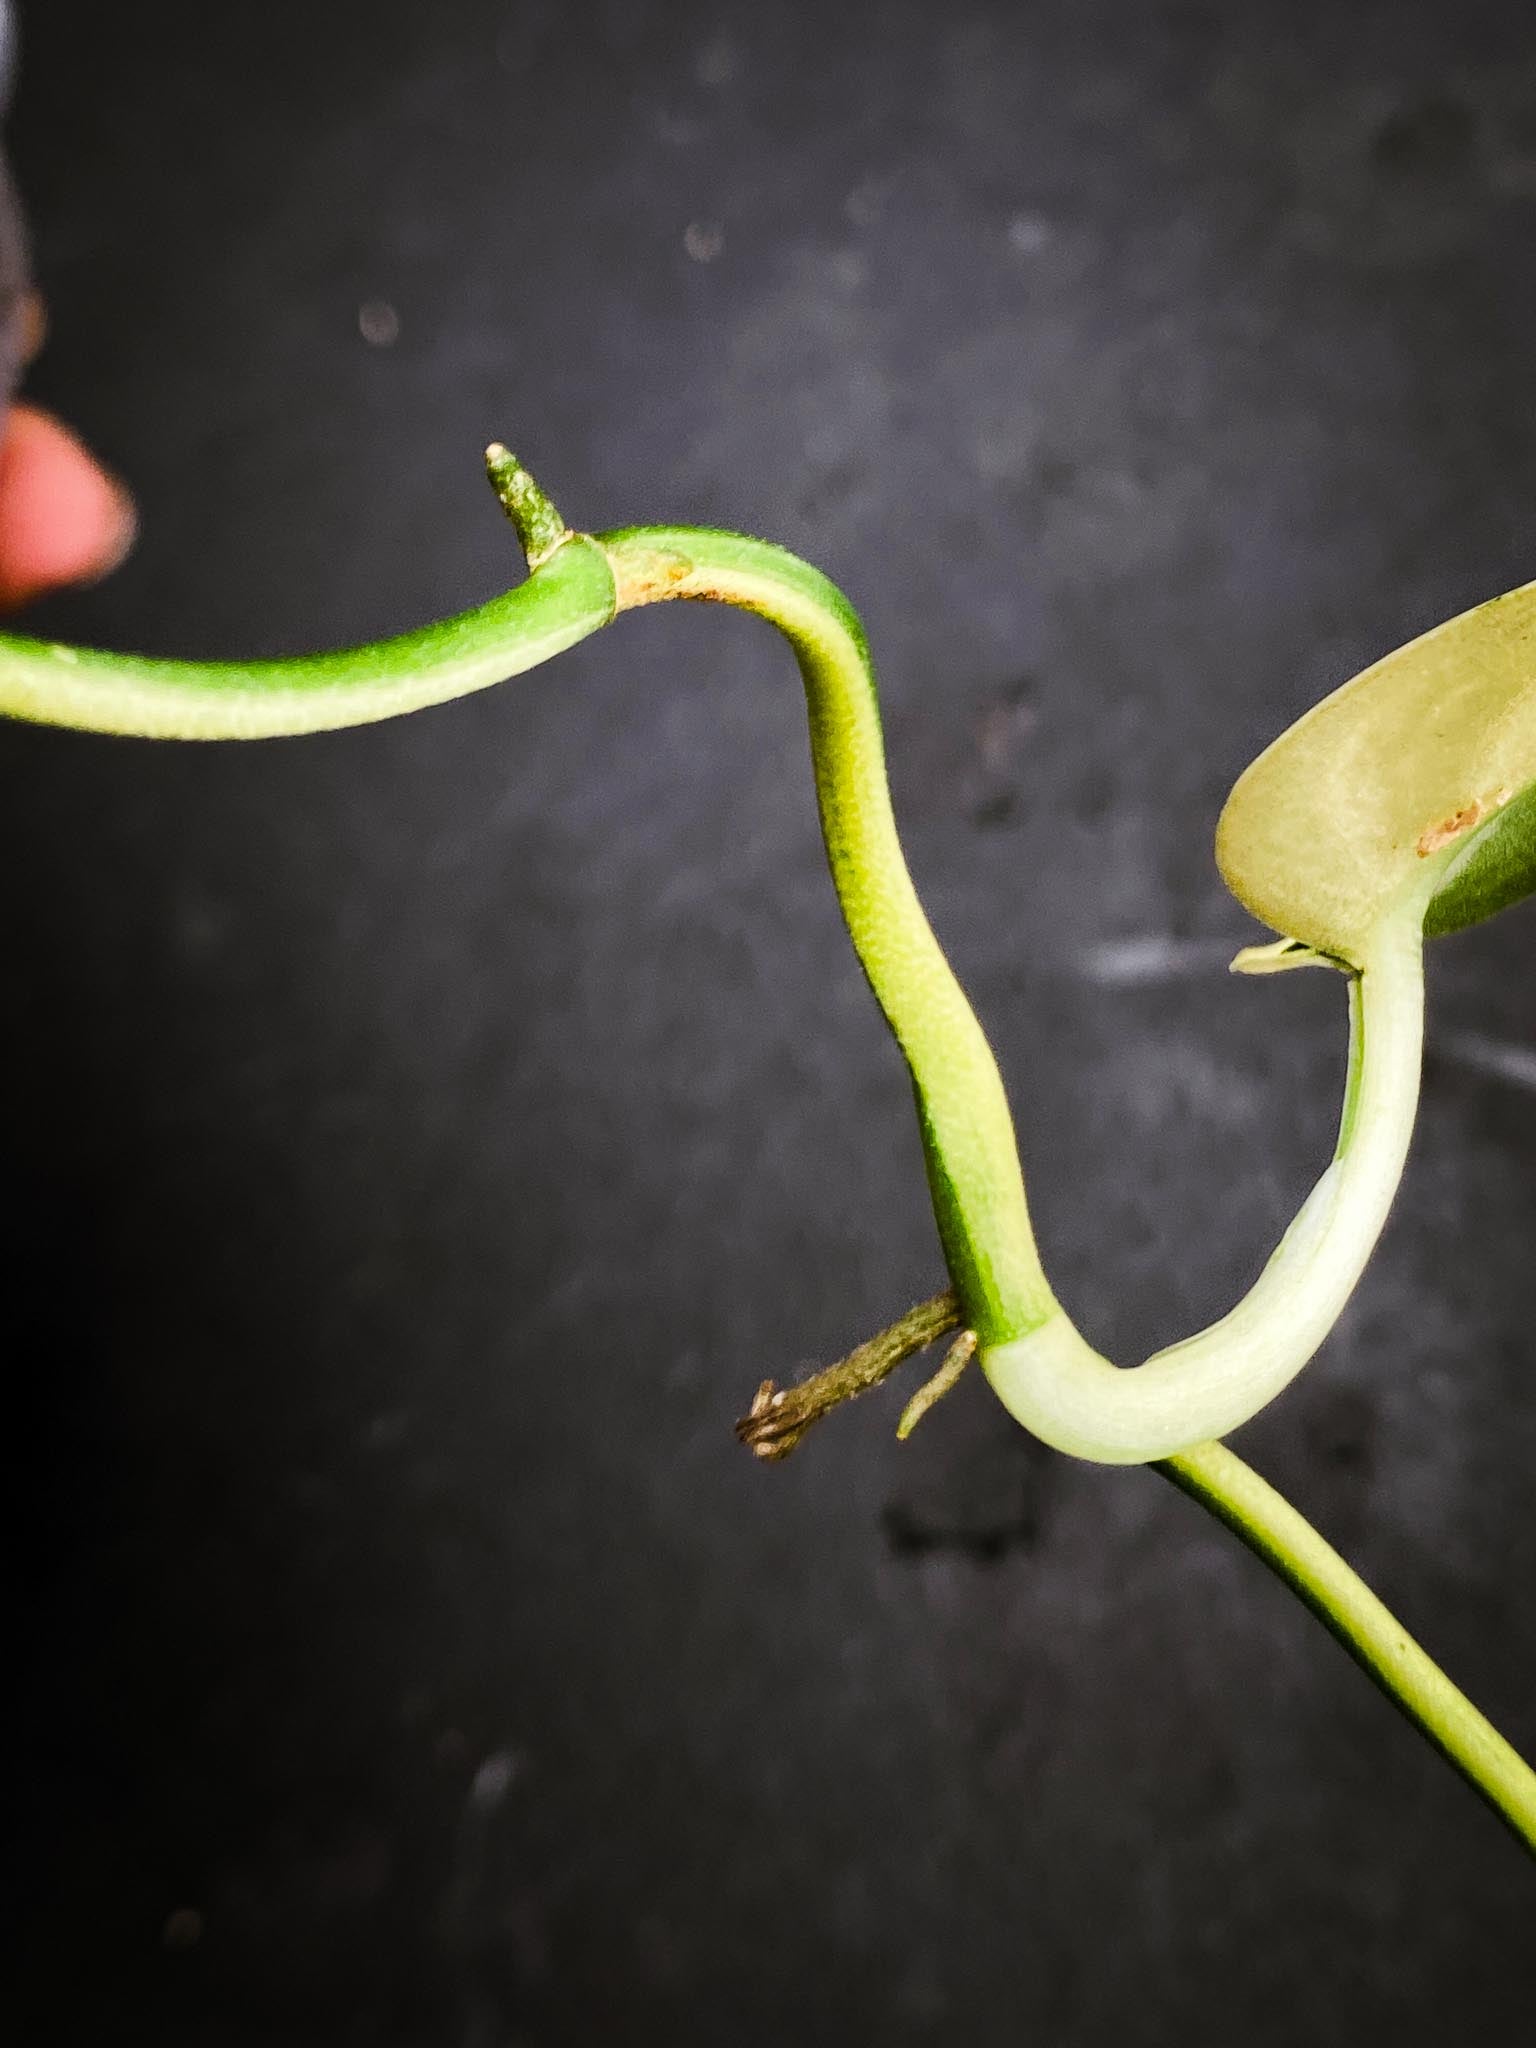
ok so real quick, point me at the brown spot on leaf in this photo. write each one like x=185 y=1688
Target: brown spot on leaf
x=1435 y=836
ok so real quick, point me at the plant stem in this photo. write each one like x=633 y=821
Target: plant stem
x=1046 y=1374
x=569 y=595
x=576 y=586
x=967 y=1129
x=1313 y=1569
x=1065 y=1393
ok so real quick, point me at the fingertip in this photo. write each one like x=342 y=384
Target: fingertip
x=63 y=518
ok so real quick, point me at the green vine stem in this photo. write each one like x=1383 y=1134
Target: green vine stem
x=570 y=596
x=968 y=1141
x=1292 y=1548
x=1036 y=1358
x=1044 y=1371
x=1042 y=1367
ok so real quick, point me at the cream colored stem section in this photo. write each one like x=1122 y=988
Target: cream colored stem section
x=1060 y=1388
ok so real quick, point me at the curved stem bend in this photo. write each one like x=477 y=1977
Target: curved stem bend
x=1061 y=1389
x=576 y=585
x=968 y=1141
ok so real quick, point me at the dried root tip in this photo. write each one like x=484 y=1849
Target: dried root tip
x=771 y=1428
x=780 y=1416
x=540 y=529
x=956 y=1359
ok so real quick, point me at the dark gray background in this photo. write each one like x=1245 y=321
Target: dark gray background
x=419 y=1141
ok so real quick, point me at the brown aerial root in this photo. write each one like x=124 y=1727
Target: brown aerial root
x=780 y=1416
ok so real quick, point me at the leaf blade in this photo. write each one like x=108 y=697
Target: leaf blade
x=1382 y=788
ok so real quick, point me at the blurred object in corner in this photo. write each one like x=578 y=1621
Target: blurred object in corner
x=17 y=319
